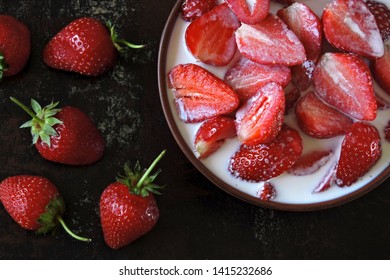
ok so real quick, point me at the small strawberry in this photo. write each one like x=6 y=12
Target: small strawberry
x=318 y=120
x=360 y=150
x=212 y=134
x=249 y=12
x=210 y=38
x=310 y=162
x=34 y=203
x=65 y=135
x=128 y=209
x=267 y=192
x=270 y=43
x=350 y=26
x=247 y=77
x=344 y=82
x=199 y=94
x=15 y=45
x=192 y=9
x=265 y=161
x=380 y=69
x=382 y=17
x=85 y=46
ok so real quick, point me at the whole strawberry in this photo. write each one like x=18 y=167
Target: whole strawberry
x=128 y=209
x=85 y=46
x=15 y=45
x=65 y=135
x=35 y=203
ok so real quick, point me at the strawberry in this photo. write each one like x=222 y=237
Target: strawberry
x=284 y=2
x=15 y=45
x=247 y=77
x=260 y=119
x=310 y=162
x=65 y=135
x=318 y=120
x=382 y=17
x=387 y=132
x=380 y=69
x=210 y=38
x=328 y=180
x=265 y=161
x=192 y=9
x=249 y=12
x=85 y=46
x=270 y=43
x=291 y=96
x=344 y=82
x=128 y=209
x=360 y=150
x=350 y=26
x=212 y=134
x=267 y=192
x=35 y=203
x=199 y=94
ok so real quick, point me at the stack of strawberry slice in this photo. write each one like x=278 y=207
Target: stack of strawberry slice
x=273 y=60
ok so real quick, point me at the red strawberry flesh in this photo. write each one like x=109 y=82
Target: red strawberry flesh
x=249 y=12
x=192 y=9
x=381 y=69
x=310 y=162
x=267 y=192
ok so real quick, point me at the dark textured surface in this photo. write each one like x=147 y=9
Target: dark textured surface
x=198 y=220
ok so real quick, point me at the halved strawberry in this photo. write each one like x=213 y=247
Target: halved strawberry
x=303 y=74
x=212 y=134
x=247 y=77
x=265 y=161
x=249 y=12
x=292 y=97
x=267 y=192
x=344 y=82
x=270 y=43
x=199 y=94
x=382 y=17
x=260 y=119
x=192 y=9
x=381 y=69
x=210 y=38
x=360 y=150
x=318 y=120
x=350 y=26
x=328 y=180
x=310 y=162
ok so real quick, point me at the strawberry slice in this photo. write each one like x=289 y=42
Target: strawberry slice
x=327 y=181
x=318 y=120
x=344 y=82
x=311 y=162
x=382 y=17
x=292 y=97
x=212 y=134
x=381 y=69
x=267 y=192
x=199 y=94
x=210 y=38
x=260 y=119
x=270 y=43
x=192 y=9
x=247 y=77
x=302 y=74
x=350 y=26
x=265 y=161
x=360 y=150
x=249 y=12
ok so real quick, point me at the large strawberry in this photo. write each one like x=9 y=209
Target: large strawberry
x=85 y=46
x=249 y=12
x=35 y=203
x=15 y=45
x=128 y=209
x=65 y=135
x=199 y=94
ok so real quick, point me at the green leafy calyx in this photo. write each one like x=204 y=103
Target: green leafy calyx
x=3 y=66
x=118 y=42
x=43 y=120
x=140 y=181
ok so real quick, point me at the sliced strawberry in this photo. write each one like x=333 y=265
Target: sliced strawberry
x=284 y=2
x=249 y=12
x=270 y=43
x=267 y=192
x=292 y=97
x=192 y=9
x=310 y=162
x=247 y=77
x=382 y=17
x=265 y=161
x=381 y=69
x=360 y=150
x=318 y=120
x=327 y=181
x=303 y=74
x=210 y=38
x=344 y=82
x=260 y=119
x=200 y=95
x=212 y=134
x=350 y=26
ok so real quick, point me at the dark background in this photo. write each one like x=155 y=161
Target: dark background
x=198 y=220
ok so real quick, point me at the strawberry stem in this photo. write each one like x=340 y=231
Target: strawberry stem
x=71 y=233
x=118 y=43
x=3 y=66
x=28 y=111
x=149 y=170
